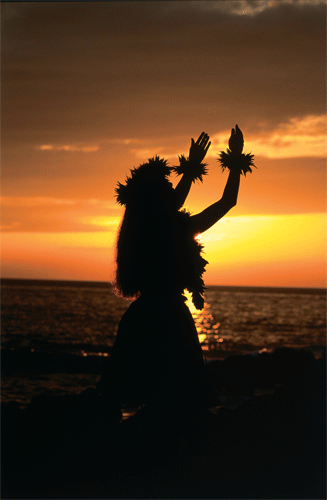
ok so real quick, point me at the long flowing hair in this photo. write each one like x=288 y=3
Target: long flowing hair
x=156 y=249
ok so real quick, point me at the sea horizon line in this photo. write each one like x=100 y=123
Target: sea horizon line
x=106 y=284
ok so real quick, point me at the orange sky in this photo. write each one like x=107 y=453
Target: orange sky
x=91 y=90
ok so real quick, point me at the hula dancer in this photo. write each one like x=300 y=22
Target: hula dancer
x=157 y=356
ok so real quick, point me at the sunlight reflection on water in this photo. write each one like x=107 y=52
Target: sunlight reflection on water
x=245 y=321
x=204 y=323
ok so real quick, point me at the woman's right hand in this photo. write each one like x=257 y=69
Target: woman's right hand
x=199 y=149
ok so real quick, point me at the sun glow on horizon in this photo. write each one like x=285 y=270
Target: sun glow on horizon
x=254 y=250
x=273 y=246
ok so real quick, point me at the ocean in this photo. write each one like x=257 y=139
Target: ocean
x=57 y=335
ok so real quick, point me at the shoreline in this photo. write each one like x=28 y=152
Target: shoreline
x=45 y=361
x=244 y=374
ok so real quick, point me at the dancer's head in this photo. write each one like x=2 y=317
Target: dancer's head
x=148 y=188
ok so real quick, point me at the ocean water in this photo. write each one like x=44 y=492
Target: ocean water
x=79 y=320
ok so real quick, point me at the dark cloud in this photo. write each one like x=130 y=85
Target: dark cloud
x=90 y=70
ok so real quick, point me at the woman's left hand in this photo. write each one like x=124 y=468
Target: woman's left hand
x=236 y=141
x=199 y=149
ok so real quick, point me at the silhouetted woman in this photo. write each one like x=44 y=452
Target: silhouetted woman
x=157 y=355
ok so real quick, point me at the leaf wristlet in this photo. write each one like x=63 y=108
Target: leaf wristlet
x=234 y=161
x=190 y=168
x=234 y=158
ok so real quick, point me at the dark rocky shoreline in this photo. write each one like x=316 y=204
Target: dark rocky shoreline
x=270 y=446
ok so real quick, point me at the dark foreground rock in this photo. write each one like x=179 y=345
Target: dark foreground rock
x=271 y=446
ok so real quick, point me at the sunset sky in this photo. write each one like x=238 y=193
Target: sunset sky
x=91 y=89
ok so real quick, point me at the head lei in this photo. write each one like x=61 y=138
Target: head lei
x=142 y=179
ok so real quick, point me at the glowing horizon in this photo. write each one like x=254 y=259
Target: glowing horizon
x=241 y=250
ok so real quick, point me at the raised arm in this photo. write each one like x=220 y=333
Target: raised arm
x=237 y=163
x=204 y=220
x=198 y=150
